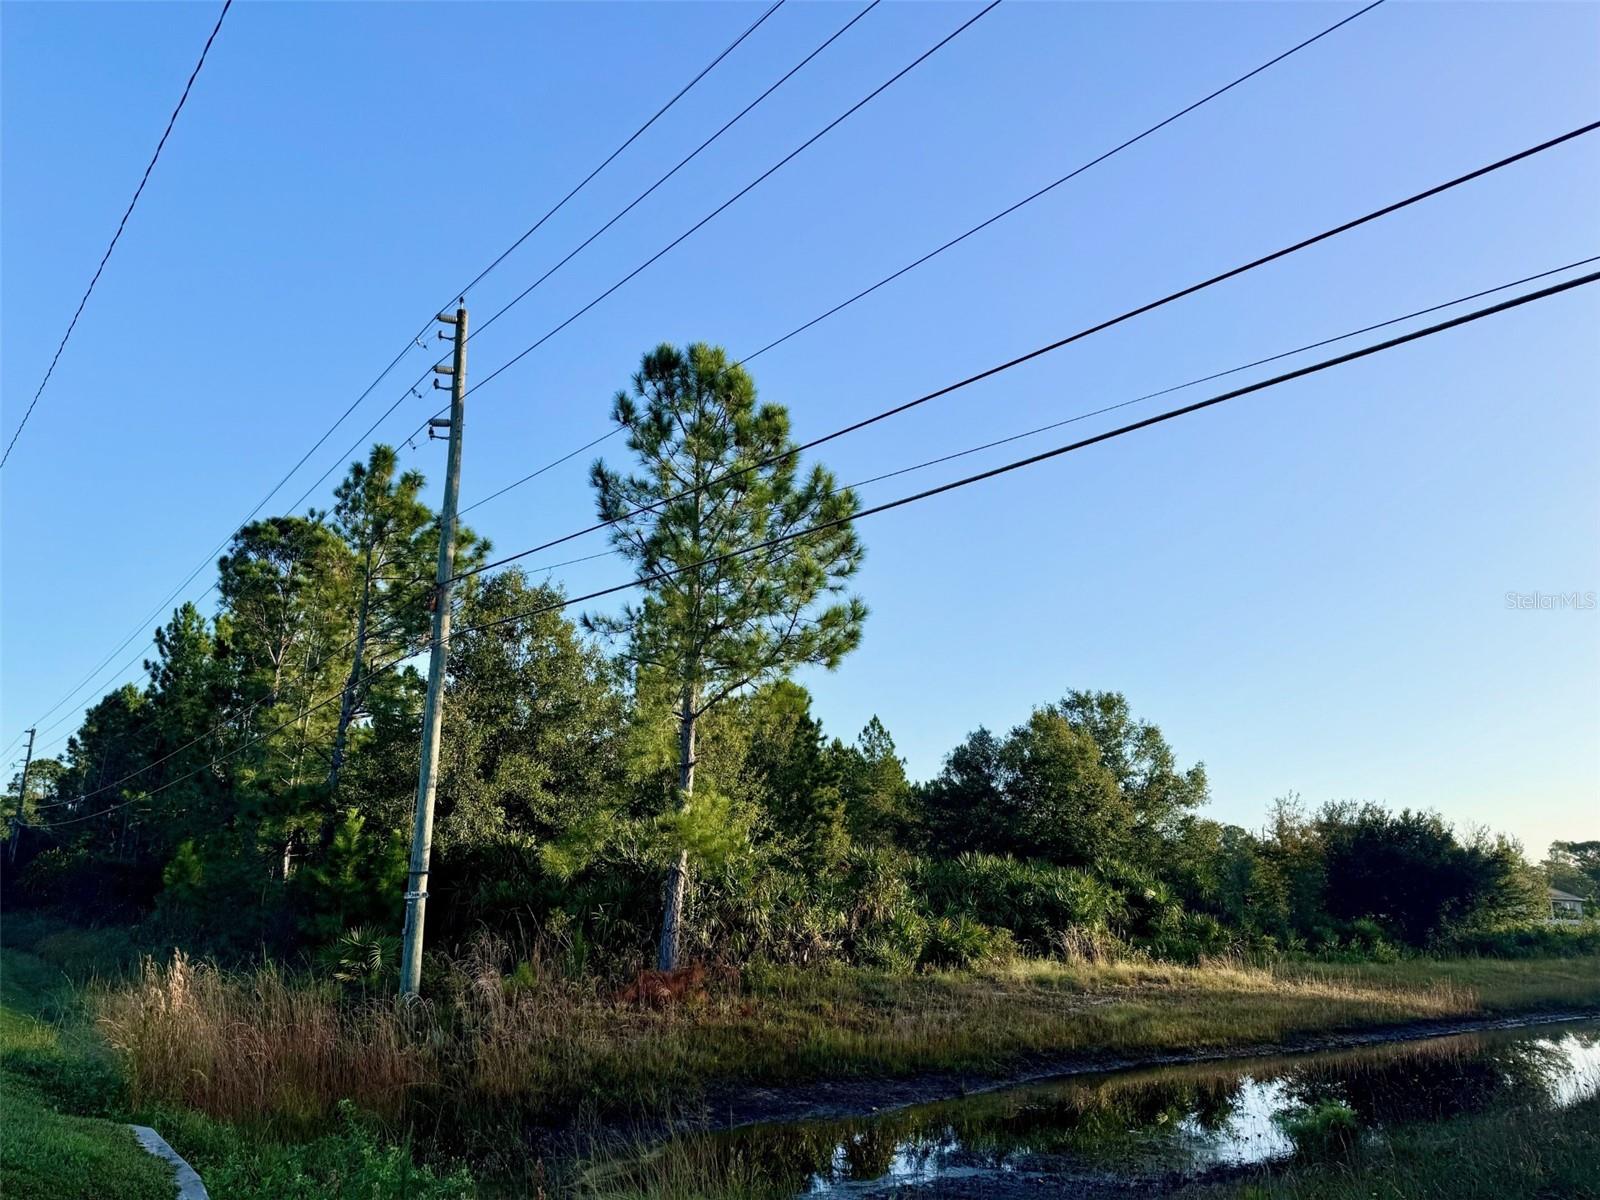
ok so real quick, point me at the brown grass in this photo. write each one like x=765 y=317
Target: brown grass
x=260 y=1045
x=269 y=1046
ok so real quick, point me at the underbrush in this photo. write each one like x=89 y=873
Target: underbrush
x=508 y=1038
x=1527 y=941
x=355 y=1160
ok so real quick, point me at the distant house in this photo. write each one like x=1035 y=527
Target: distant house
x=1564 y=906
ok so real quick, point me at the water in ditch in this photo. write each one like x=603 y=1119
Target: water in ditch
x=1148 y=1127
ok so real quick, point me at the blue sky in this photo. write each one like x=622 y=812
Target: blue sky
x=1306 y=588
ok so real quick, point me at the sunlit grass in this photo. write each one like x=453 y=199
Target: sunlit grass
x=270 y=1046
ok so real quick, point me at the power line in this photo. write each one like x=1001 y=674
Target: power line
x=235 y=718
x=500 y=258
x=411 y=391
x=1215 y=375
x=414 y=343
x=549 y=466
x=477 y=279
x=1058 y=451
x=190 y=774
x=1166 y=391
x=910 y=266
x=632 y=137
x=1050 y=347
x=683 y=162
x=749 y=187
x=694 y=228
x=1003 y=213
x=1050 y=187
x=121 y=225
x=903 y=501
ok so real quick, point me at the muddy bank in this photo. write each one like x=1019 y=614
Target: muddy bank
x=733 y=1107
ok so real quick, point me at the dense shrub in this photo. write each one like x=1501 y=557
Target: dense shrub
x=1036 y=901
x=960 y=942
x=1529 y=941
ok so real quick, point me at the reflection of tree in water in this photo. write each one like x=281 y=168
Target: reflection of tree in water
x=1108 y=1120
x=1434 y=1082
x=1098 y=1121
x=869 y=1152
x=1123 y=1120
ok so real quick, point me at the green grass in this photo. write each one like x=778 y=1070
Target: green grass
x=63 y=1104
x=47 y=1153
x=1524 y=1154
x=248 y=1075
x=274 y=1047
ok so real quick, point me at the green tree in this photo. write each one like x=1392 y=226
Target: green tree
x=1410 y=873
x=1082 y=783
x=283 y=625
x=281 y=612
x=1575 y=867
x=45 y=778
x=874 y=787
x=531 y=769
x=718 y=476
x=1158 y=794
x=383 y=523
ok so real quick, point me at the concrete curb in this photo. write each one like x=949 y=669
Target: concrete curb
x=188 y=1183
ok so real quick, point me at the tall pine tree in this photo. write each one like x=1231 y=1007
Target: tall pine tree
x=717 y=475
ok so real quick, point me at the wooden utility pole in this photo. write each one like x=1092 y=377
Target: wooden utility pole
x=432 y=713
x=22 y=795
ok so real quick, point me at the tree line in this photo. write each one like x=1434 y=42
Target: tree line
x=653 y=782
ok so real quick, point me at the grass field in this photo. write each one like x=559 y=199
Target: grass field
x=267 y=1046
x=48 y=1153
x=63 y=1103
x=276 y=1085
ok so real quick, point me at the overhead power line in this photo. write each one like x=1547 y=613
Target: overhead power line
x=1215 y=375
x=681 y=163
x=903 y=501
x=1165 y=391
x=749 y=187
x=632 y=137
x=1045 y=456
x=412 y=389
x=1054 y=184
x=414 y=342
x=999 y=216
x=1059 y=343
x=121 y=225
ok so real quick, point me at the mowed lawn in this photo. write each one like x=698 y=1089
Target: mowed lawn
x=46 y=1153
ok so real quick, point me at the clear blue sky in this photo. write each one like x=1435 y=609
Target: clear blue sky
x=1305 y=589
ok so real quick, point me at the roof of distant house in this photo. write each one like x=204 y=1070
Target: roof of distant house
x=1558 y=894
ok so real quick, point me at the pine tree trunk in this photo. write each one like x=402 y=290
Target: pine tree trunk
x=347 y=702
x=678 y=875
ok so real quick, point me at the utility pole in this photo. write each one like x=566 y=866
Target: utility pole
x=22 y=796
x=432 y=713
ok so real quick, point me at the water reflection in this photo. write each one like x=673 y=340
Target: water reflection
x=1178 y=1119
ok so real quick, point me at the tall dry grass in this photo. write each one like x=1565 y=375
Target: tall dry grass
x=261 y=1045
x=508 y=1032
